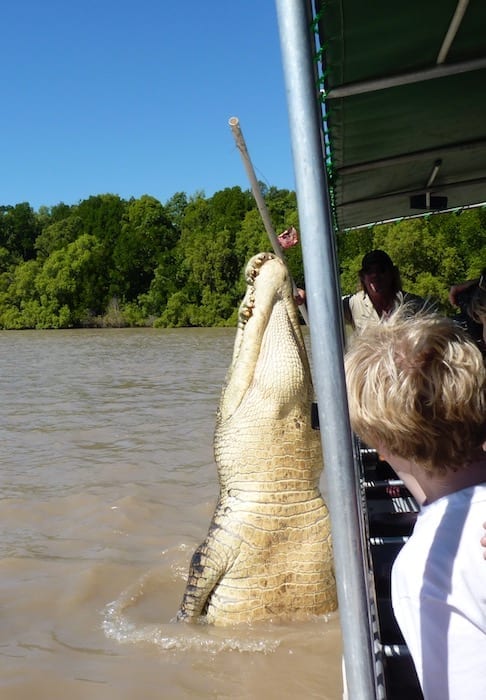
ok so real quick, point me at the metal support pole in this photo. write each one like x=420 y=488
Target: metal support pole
x=325 y=315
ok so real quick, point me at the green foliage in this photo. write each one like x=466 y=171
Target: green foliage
x=57 y=235
x=108 y=262
x=162 y=286
x=18 y=293
x=68 y=276
x=175 y=208
x=19 y=228
x=56 y=293
x=102 y=216
x=351 y=246
x=206 y=259
x=146 y=234
x=177 y=313
x=113 y=317
x=435 y=252
x=251 y=236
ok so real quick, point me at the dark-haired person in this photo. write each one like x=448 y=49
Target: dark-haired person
x=381 y=292
x=470 y=297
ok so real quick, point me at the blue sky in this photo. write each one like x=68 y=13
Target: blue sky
x=134 y=98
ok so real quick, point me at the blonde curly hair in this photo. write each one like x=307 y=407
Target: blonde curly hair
x=417 y=386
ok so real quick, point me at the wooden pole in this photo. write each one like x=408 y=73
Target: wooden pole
x=262 y=207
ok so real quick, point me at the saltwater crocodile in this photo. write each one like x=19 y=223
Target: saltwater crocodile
x=268 y=552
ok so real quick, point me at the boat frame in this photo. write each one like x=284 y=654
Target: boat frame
x=333 y=195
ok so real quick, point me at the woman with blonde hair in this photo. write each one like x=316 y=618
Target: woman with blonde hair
x=417 y=393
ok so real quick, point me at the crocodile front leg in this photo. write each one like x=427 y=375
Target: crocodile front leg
x=208 y=565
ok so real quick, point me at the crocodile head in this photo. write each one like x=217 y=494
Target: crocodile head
x=269 y=365
x=264 y=412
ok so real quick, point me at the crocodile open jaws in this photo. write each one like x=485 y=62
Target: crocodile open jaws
x=268 y=552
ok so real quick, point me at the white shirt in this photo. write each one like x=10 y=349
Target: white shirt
x=439 y=596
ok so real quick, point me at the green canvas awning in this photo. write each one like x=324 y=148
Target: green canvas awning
x=404 y=93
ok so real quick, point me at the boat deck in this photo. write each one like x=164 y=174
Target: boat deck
x=388 y=513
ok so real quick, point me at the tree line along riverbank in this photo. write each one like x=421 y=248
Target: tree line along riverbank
x=110 y=262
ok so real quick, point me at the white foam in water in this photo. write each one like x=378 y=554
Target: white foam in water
x=174 y=636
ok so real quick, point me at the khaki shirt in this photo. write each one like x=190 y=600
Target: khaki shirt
x=359 y=310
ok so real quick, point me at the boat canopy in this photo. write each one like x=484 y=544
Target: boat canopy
x=387 y=107
x=404 y=92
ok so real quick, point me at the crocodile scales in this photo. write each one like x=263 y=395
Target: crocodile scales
x=268 y=552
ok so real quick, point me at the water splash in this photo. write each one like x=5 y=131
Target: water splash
x=171 y=636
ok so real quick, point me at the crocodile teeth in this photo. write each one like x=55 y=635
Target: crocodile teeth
x=253 y=267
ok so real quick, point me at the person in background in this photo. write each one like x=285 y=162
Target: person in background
x=470 y=297
x=457 y=289
x=380 y=294
x=417 y=393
